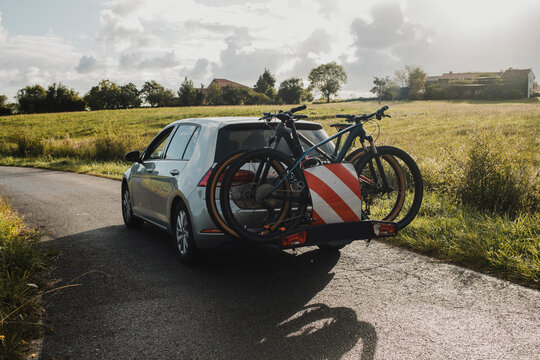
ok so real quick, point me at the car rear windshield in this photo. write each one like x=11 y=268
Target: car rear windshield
x=254 y=136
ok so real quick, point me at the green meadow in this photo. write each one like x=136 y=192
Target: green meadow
x=480 y=162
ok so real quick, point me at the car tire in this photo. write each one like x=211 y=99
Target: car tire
x=130 y=220
x=184 y=244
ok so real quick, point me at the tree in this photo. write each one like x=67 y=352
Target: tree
x=327 y=79
x=129 y=96
x=106 y=95
x=31 y=99
x=187 y=95
x=413 y=82
x=156 y=95
x=60 y=99
x=265 y=84
x=291 y=90
x=402 y=77
x=384 y=88
x=214 y=94
x=232 y=95
x=255 y=98
x=380 y=83
x=5 y=108
x=306 y=96
x=416 y=81
x=199 y=96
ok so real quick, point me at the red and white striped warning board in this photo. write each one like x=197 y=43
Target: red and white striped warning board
x=335 y=193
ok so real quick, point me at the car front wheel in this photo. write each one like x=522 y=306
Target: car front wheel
x=127 y=212
x=183 y=235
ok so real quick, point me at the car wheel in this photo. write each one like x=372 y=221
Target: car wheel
x=127 y=212
x=183 y=235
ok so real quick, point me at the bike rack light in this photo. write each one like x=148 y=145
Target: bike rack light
x=298 y=238
x=381 y=229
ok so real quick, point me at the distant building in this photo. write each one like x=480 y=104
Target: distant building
x=522 y=78
x=470 y=84
x=224 y=82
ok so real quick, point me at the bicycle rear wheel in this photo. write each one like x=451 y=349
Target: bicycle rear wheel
x=399 y=201
x=260 y=200
x=213 y=188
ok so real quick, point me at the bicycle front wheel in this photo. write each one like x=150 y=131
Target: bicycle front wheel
x=392 y=190
x=261 y=200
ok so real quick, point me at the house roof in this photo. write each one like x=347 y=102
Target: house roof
x=468 y=75
x=225 y=82
x=516 y=72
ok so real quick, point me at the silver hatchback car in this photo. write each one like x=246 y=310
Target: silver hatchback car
x=166 y=184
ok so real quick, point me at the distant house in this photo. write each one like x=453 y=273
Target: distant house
x=469 y=84
x=224 y=82
x=521 y=78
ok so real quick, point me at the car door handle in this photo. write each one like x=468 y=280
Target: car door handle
x=174 y=172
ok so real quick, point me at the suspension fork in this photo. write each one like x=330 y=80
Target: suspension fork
x=378 y=161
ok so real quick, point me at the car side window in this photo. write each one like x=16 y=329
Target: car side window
x=191 y=145
x=155 y=150
x=179 y=142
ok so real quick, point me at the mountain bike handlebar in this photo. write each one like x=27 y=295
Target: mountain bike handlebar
x=379 y=114
x=285 y=115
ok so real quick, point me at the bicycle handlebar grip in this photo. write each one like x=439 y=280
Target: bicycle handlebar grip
x=384 y=108
x=301 y=107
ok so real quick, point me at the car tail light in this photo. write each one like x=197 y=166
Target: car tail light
x=205 y=178
x=295 y=239
x=242 y=176
x=384 y=229
x=212 y=231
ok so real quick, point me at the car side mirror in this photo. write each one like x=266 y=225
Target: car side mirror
x=133 y=156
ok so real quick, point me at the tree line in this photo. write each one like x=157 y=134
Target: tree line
x=325 y=79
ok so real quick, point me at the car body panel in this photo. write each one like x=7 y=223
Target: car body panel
x=154 y=191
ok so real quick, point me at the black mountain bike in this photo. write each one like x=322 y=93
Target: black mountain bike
x=264 y=194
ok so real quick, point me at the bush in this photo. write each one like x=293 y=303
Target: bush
x=491 y=180
x=112 y=146
x=27 y=145
x=67 y=147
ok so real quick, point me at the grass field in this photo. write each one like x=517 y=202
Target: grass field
x=22 y=265
x=500 y=141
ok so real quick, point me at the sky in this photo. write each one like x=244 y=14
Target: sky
x=78 y=43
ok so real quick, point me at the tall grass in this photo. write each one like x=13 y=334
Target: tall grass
x=495 y=243
x=492 y=180
x=21 y=265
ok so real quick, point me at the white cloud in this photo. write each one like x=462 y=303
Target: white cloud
x=87 y=64
x=165 y=40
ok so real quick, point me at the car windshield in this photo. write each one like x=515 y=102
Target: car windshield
x=254 y=136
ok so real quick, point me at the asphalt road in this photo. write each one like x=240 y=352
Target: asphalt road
x=136 y=301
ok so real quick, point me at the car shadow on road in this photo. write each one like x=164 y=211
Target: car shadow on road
x=137 y=301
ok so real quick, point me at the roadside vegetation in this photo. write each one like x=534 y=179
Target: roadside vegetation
x=480 y=161
x=22 y=264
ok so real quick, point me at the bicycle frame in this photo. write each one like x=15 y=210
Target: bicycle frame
x=354 y=131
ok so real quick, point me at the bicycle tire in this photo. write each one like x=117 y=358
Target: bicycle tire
x=405 y=177
x=249 y=204
x=211 y=187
